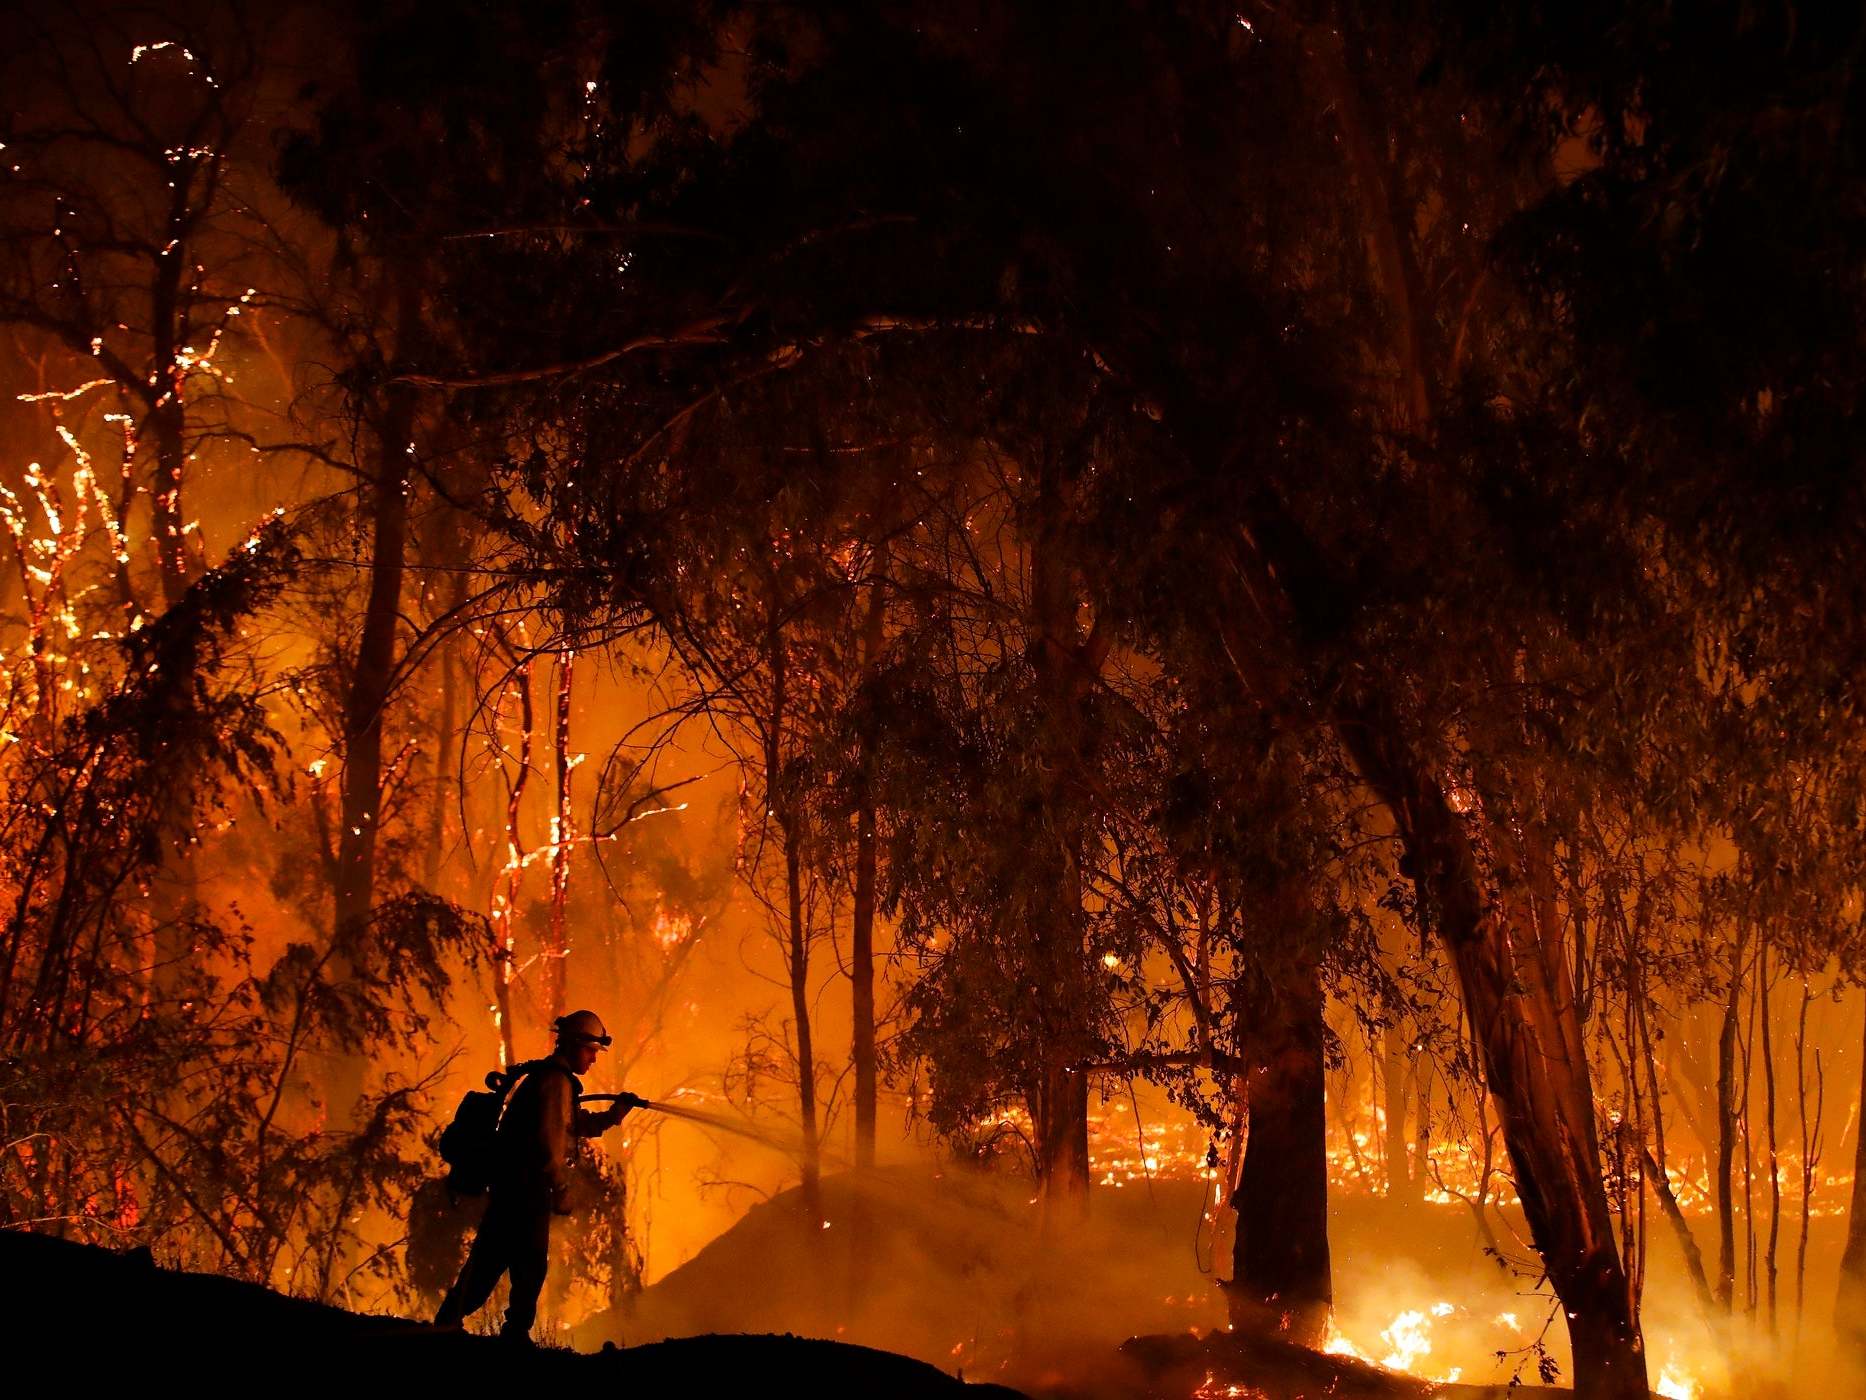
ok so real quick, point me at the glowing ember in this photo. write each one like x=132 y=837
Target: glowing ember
x=1212 y=1389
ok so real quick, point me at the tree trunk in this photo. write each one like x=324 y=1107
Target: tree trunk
x=371 y=677
x=167 y=422
x=503 y=906
x=557 y=953
x=1518 y=990
x=1062 y=668
x=177 y=885
x=1681 y=1228
x=800 y=1010
x=448 y=551
x=1726 y=1129
x=168 y=426
x=862 y=984
x=1280 y=1278
x=1062 y=1132
x=374 y=668
x=796 y=931
x=1850 y=1308
x=862 y=932
x=1396 y=1077
x=1766 y=991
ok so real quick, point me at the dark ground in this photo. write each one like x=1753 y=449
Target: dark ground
x=92 y=1315
x=88 y=1314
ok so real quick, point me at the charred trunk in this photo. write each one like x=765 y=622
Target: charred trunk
x=1281 y=1281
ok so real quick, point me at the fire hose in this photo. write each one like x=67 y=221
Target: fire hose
x=709 y=1120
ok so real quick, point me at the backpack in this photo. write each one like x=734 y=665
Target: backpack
x=469 y=1144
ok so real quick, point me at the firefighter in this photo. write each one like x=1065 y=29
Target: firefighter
x=530 y=1180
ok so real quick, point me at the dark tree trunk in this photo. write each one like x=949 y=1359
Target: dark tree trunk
x=374 y=668
x=1726 y=1129
x=373 y=672
x=1062 y=1133
x=1280 y=1277
x=1516 y=980
x=1396 y=1075
x=449 y=551
x=166 y=428
x=796 y=929
x=1765 y=991
x=862 y=985
x=167 y=422
x=1519 y=993
x=557 y=951
x=1850 y=1310
x=1063 y=1043
x=862 y=931
x=1519 y=990
x=800 y=1009
x=1063 y=667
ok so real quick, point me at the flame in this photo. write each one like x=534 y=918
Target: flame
x=671 y=930
x=1407 y=1338
x=1675 y=1383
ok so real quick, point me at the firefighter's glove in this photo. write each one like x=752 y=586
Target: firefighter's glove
x=560 y=1200
x=631 y=1101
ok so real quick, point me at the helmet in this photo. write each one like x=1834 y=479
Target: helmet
x=581 y=1027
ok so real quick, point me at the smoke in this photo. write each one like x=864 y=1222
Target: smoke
x=969 y=1270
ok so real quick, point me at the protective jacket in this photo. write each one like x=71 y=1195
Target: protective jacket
x=532 y=1157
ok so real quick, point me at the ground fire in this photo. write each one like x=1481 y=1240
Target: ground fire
x=1154 y=700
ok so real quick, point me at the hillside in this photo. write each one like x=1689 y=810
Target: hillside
x=92 y=1313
